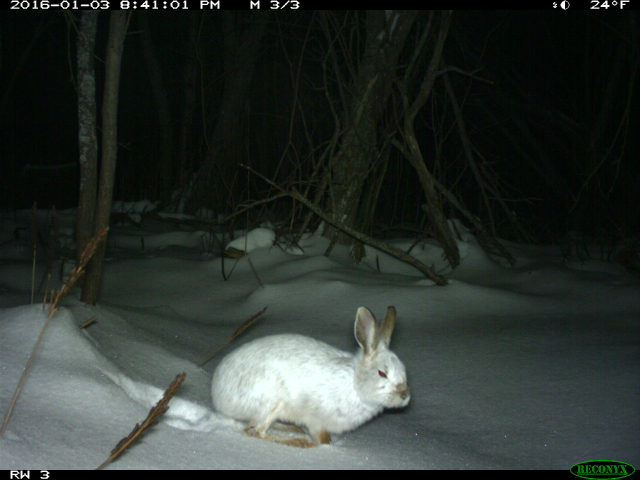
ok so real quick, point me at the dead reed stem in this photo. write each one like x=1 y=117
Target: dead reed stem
x=152 y=418
x=55 y=303
x=236 y=332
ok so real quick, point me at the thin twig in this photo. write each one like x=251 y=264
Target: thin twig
x=253 y=269
x=236 y=332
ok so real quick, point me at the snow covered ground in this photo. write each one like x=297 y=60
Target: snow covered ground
x=535 y=366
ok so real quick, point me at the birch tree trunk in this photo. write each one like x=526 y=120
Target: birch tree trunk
x=87 y=137
x=118 y=22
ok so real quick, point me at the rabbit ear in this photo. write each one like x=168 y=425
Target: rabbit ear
x=366 y=331
x=386 y=329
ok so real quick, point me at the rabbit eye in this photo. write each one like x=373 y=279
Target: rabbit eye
x=382 y=374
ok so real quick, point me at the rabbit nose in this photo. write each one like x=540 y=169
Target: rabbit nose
x=403 y=392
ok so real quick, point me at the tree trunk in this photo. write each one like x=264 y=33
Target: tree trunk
x=117 y=29
x=386 y=35
x=87 y=137
x=188 y=105
x=221 y=163
x=163 y=181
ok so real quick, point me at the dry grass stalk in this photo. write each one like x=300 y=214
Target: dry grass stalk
x=236 y=332
x=78 y=270
x=51 y=242
x=55 y=303
x=154 y=415
x=46 y=290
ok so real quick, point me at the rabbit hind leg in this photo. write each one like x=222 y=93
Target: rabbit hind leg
x=321 y=437
x=259 y=429
x=287 y=427
x=299 y=442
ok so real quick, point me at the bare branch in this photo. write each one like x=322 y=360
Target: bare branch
x=385 y=247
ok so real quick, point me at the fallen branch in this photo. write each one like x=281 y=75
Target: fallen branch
x=385 y=247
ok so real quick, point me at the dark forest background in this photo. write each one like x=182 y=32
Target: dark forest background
x=530 y=122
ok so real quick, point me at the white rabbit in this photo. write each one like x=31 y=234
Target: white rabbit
x=299 y=380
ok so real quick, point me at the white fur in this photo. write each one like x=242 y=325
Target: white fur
x=299 y=380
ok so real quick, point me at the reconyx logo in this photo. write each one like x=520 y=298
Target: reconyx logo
x=602 y=469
